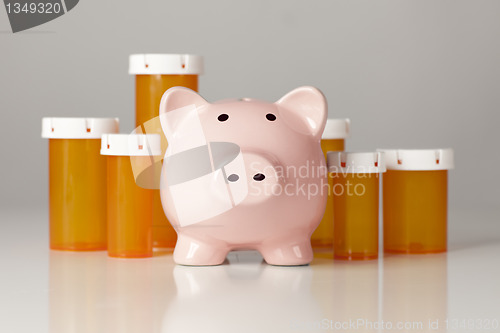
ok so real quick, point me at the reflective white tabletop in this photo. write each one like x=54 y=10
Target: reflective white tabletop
x=65 y=292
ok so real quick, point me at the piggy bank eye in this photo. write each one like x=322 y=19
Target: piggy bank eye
x=270 y=117
x=223 y=117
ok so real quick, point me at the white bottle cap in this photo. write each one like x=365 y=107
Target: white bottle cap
x=131 y=144
x=166 y=64
x=337 y=129
x=78 y=128
x=418 y=159
x=345 y=162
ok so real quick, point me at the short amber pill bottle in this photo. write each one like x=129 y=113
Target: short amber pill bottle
x=77 y=182
x=415 y=196
x=130 y=207
x=355 y=189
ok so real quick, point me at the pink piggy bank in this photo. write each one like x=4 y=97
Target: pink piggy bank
x=243 y=174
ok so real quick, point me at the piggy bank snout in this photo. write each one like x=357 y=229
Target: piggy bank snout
x=258 y=177
x=262 y=176
x=261 y=167
x=254 y=168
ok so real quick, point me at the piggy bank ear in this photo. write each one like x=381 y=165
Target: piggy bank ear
x=179 y=108
x=305 y=103
x=179 y=97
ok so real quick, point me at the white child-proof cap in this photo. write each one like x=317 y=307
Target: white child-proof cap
x=166 y=64
x=337 y=129
x=131 y=144
x=418 y=159
x=78 y=128
x=346 y=162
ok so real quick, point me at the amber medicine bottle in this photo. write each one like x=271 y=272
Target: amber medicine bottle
x=129 y=206
x=154 y=74
x=355 y=189
x=77 y=182
x=333 y=139
x=415 y=196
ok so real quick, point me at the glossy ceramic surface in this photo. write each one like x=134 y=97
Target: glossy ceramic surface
x=244 y=174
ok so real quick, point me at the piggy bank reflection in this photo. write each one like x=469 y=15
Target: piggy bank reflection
x=242 y=297
x=243 y=174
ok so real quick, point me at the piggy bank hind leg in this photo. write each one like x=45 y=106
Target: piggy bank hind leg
x=287 y=252
x=191 y=251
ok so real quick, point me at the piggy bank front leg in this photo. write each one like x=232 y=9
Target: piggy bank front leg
x=192 y=251
x=287 y=252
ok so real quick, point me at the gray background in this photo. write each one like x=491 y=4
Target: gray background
x=416 y=74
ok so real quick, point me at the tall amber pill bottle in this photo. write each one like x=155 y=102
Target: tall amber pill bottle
x=355 y=189
x=130 y=207
x=333 y=139
x=154 y=74
x=416 y=200
x=77 y=182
